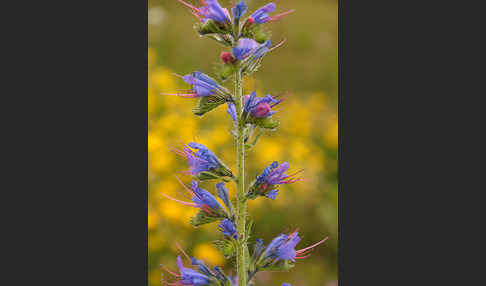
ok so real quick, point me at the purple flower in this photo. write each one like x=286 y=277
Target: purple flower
x=239 y=10
x=261 y=16
x=227 y=227
x=223 y=195
x=202 y=85
x=211 y=9
x=247 y=47
x=286 y=284
x=244 y=48
x=257 y=107
x=201 y=161
x=201 y=199
x=204 y=199
x=283 y=248
x=190 y=276
x=231 y=111
x=267 y=182
x=260 y=107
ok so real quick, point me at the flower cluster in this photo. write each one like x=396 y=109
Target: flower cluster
x=257 y=110
x=280 y=253
x=249 y=42
x=203 y=164
x=202 y=276
x=268 y=181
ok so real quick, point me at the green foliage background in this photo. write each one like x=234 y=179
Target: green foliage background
x=306 y=67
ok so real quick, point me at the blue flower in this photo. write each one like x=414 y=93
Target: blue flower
x=259 y=247
x=266 y=172
x=227 y=227
x=267 y=182
x=191 y=277
x=211 y=10
x=204 y=199
x=201 y=266
x=203 y=160
x=257 y=107
x=223 y=194
x=239 y=10
x=286 y=284
x=231 y=111
x=244 y=48
x=247 y=47
x=260 y=16
x=260 y=107
x=272 y=194
x=201 y=199
x=283 y=248
x=202 y=85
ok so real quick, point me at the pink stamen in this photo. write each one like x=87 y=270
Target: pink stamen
x=179 y=201
x=182 y=250
x=312 y=246
x=291 y=175
x=189 y=5
x=290 y=181
x=178 y=75
x=179 y=152
x=170 y=272
x=277 y=45
x=187 y=95
x=197 y=16
x=277 y=17
x=302 y=257
x=185 y=187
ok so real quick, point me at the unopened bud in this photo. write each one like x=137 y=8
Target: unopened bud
x=227 y=57
x=261 y=109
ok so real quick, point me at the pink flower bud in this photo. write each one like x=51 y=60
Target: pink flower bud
x=261 y=109
x=227 y=57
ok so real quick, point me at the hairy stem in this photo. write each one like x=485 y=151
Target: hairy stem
x=240 y=193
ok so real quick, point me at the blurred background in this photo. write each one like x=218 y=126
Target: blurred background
x=306 y=67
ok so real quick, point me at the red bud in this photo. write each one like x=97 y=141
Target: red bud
x=227 y=57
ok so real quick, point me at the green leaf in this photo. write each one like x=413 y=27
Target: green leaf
x=226 y=246
x=224 y=71
x=257 y=32
x=203 y=218
x=281 y=265
x=249 y=227
x=207 y=103
x=212 y=27
x=264 y=122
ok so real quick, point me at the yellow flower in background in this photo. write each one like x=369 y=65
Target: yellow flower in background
x=152 y=219
x=163 y=79
x=207 y=252
x=331 y=134
x=155 y=241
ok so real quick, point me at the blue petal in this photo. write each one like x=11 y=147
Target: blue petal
x=272 y=194
x=239 y=10
x=231 y=111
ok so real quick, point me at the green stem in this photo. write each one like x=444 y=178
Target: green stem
x=240 y=179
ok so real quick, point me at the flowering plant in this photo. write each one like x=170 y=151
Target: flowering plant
x=249 y=40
